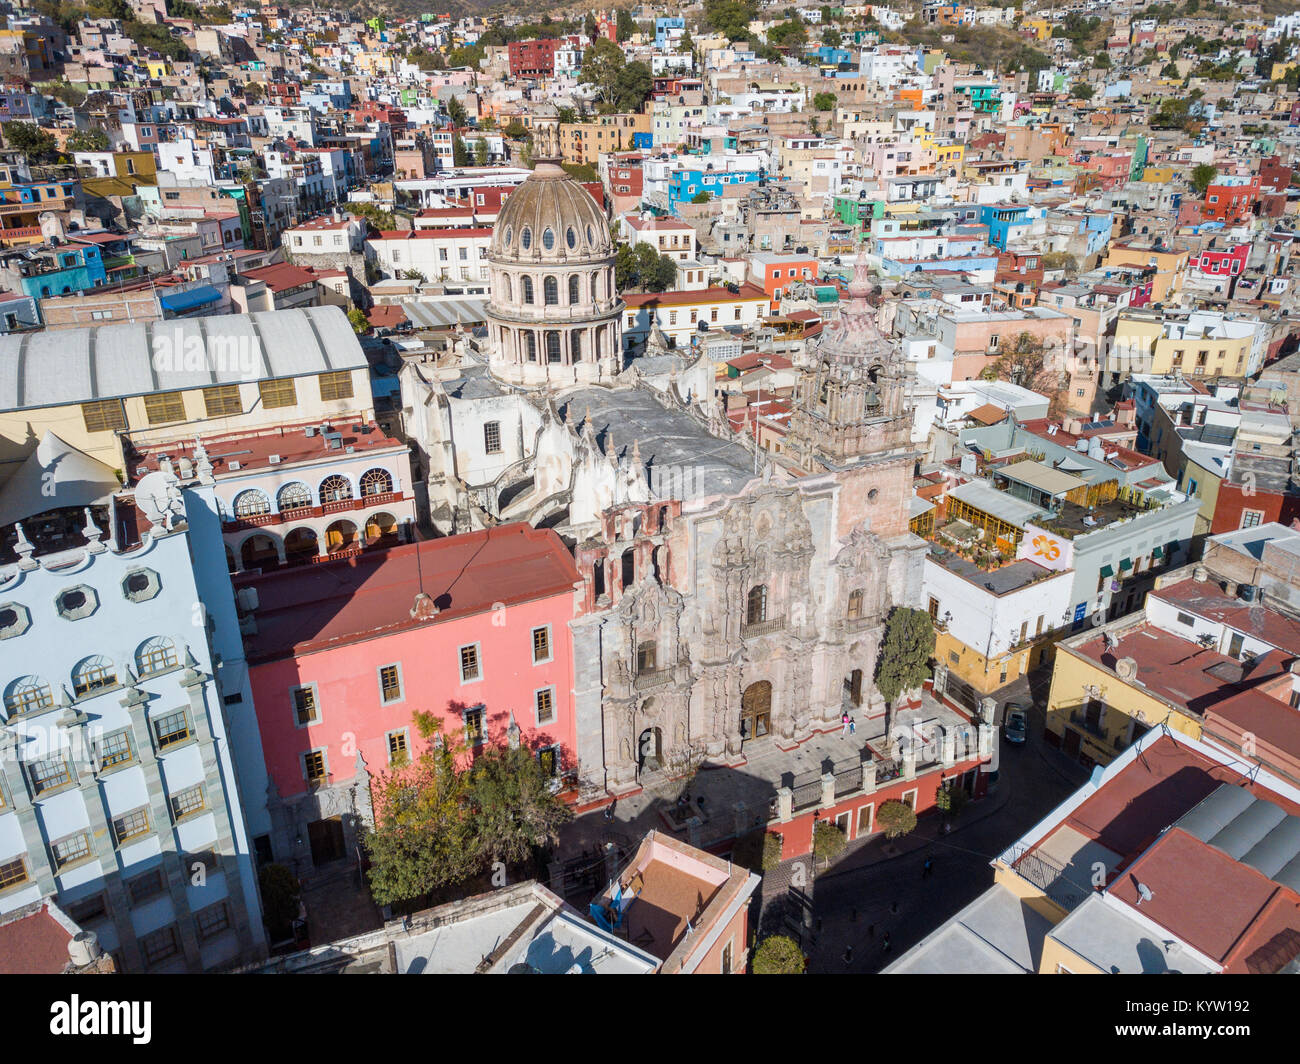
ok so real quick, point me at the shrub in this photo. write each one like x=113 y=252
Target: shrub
x=828 y=841
x=759 y=851
x=778 y=955
x=950 y=800
x=896 y=819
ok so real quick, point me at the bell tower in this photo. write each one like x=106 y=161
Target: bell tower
x=850 y=400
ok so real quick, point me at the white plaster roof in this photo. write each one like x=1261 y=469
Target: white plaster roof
x=76 y=480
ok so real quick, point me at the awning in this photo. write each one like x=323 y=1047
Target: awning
x=1127 y=563
x=1107 y=571
x=188 y=300
x=1157 y=552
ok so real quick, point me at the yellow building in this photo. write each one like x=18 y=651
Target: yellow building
x=1042 y=29
x=1094 y=711
x=158 y=68
x=1170 y=266
x=1158 y=174
x=584 y=142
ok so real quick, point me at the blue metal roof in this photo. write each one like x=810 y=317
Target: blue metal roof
x=195 y=297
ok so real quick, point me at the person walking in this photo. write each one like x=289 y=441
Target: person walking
x=844 y=719
x=848 y=956
x=886 y=941
x=853 y=725
x=927 y=868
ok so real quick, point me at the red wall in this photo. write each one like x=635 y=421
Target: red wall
x=1232 y=500
x=351 y=715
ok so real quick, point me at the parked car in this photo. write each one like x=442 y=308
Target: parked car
x=1015 y=725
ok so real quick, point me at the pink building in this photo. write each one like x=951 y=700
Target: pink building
x=473 y=629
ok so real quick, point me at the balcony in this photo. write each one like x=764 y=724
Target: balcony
x=773 y=624
x=652 y=678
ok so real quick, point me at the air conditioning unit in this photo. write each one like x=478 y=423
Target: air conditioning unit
x=273 y=459
x=235 y=467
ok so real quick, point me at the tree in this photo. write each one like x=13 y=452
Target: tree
x=686 y=46
x=825 y=101
x=632 y=86
x=280 y=891
x=1025 y=363
x=788 y=34
x=832 y=37
x=701 y=197
x=460 y=155
x=590 y=27
x=87 y=140
x=828 y=841
x=513 y=808
x=731 y=18
x=374 y=214
x=481 y=152
x=1201 y=177
x=624 y=24
x=357 y=319
x=777 y=955
x=759 y=851
x=1170 y=70
x=601 y=65
x=896 y=819
x=581 y=171
x=1081 y=90
x=1101 y=61
x=29 y=139
x=516 y=130
x=904 y=660
x=1061 y=260
x=456 y=112
x=253 y=91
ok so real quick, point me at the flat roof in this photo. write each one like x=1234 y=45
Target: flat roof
x=995 y=934
x=986 y=498
x=1106 y=935
x=1044 y=478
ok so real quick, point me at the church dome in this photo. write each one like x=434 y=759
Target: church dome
x=550 y=218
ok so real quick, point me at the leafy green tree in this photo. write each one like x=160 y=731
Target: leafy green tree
x=280 y=891
x=759 y=851
x=357 y=319
x=601 y=65
x=581 y=171
x=374 y=214
x=512 y=807
x=632 y=86
x=1173 y=113
x=1170 y=70
x=30 y=139
x=832 y=37
x=731 y=18
x=456 y=112
x=460 y=153
x=1101 y=61
x=1201 y=177
x=1081 y=90
x=87 y=140
x=624 y=24
x=516 y=130
x=904 y=660
x=590 y=27
x=686 y=46
x=896 y=819
x=253 y=91
x=828 y=841
x=777 y=955
x=702 y=197
x=788 y=34
x=567 y=115
x=481 y=152
x=825 y=101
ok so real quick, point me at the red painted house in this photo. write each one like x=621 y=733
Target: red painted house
x=533 y=59
x=1230 y=200
x=473 y=629
x=1227 y=262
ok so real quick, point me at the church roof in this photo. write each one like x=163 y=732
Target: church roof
x=551 y=202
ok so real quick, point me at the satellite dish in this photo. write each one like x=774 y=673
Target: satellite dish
x=1144 y=893
x=158 y=496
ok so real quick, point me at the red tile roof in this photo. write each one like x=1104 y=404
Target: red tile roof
x=34 y=944
x=333 y=604
x=748 y=292
x=281 y=276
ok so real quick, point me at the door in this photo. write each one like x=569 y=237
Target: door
x=326 y=837
x=1071 y=743
x=855 y=686
x=756 y=711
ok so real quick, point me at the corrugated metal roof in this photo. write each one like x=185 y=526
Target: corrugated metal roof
x=442 y=314
x=1255 y=832
x=116 y=361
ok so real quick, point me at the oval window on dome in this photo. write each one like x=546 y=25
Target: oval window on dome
x=510 y=234
x=591 y=237
x=548 y=239
x=526 y=238
x=571 y=238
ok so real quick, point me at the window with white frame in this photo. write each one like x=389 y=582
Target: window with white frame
x=541 y=644
x=305 y=709
x=544 y=702
x=470 y=666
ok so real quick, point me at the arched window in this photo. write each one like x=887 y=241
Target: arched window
x=93 y=674
x=550 y=290
x=531 y=345
x=756 y=607
x=157 y=654
x=335 y=489
x=574 y=297
x=552 y=347
x=296 y=496
x=28 y=694
x=575 y=342
x=526 y=238
x=528 y=289
x=376 y=482
x=252 y=503
x=855 y=604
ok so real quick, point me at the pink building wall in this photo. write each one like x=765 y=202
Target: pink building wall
x=352 y=715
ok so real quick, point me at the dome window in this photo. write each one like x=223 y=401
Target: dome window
x=510 y=234
x=591 y=237
x=526 y=238
x=548 y=239
x=571 y=238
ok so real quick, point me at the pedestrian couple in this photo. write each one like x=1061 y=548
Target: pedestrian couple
x=850 y=725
